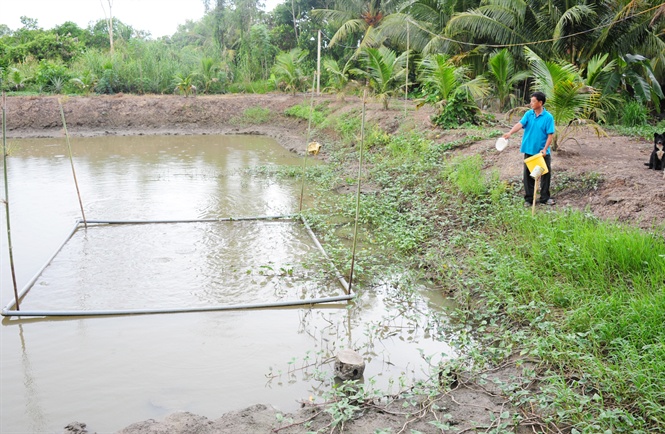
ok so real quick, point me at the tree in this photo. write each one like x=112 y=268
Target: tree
x=29 y=23
x=425 y=22
x=569 y=99
x=109 y=21
x=451 y=90
x=356 y=18
x=288 y=70
x=504 y=77
x=384 y=71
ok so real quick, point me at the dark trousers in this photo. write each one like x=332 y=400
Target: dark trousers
x=529 y=182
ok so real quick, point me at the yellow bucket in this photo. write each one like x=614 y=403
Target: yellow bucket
x=536 y=160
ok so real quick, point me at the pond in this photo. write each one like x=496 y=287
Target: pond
x=112 y=371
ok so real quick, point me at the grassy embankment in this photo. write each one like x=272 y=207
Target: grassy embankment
x=582 y=298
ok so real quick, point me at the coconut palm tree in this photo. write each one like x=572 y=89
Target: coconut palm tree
x=357 y=18
x=423 y=22
x=16 y=78
x=452 y=91
x=441 y=78
x=86 y=82
x=209 y=70
x=501 y=72
x=575 y=30
x=600 y=75
x=384 y=71
x=288 y=70
x=570 y=100
x=339 y=76
x=184 y=84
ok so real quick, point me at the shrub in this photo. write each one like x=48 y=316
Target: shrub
x=459 y=110
x=52 y=76
x=634 y=114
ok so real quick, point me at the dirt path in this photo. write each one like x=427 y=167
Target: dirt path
x=607 y=176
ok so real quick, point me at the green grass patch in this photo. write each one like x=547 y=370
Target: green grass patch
x=592 y=295
x=253 y=116
x=305 y=111
x=258 y=87
x=583 y=298
x=644 y=131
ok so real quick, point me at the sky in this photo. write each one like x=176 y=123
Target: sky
x=159 y=17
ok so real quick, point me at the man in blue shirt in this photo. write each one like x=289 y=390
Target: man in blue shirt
x=538 y=126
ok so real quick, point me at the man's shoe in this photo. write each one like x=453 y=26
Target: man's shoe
x=549 y=202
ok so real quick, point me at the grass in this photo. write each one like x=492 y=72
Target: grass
x=583 y=298
x=305 y=111
x=601 y=292
x=644 y=131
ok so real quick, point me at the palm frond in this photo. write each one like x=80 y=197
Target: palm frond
x=349 y=27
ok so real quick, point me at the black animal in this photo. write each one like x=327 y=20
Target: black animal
x=657 y=160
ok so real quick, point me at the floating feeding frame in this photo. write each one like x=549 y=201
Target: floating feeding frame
x=9 y=310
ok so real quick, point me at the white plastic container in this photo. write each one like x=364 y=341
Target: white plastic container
x=501 y=144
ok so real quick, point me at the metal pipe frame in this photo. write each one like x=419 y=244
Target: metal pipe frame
x=8 y=311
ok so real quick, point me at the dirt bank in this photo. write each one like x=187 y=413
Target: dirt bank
x=605 y=176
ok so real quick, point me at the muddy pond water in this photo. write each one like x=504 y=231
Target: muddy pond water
x=112 y=371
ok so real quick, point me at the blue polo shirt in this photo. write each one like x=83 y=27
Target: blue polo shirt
x=536 y=130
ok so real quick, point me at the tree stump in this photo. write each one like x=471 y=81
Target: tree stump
x=349 y=365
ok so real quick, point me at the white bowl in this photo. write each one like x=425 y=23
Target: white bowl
x=501 y=144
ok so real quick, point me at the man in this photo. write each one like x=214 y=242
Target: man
x=538 y=126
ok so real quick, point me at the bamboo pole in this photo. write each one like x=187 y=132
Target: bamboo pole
x=71 y=160
x=406 y=79
x=9 y=230
x=116 y=312
x=360 y=167
x=309 y=137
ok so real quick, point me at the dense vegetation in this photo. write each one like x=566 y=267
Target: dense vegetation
x=599 y=61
